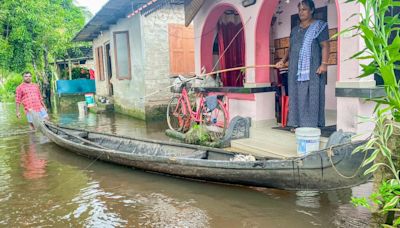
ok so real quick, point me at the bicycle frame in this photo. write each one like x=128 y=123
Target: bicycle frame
x=197 y=114
x=187 y=107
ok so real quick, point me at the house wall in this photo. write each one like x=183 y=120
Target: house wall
x=149 y=52
x=257 y=107
x=128 y=93
x=344 y=74
x=349 y=109
x=101 y=86
x=156 y=53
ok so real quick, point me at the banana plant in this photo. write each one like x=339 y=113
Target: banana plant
x=380 y=33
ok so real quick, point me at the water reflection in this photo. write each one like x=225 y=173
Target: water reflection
x=34 y=166
x=308 y=199
x=42 y=184
x=115 y=124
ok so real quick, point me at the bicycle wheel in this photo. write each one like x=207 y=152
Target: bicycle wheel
x=215 y=121
x=176 y=118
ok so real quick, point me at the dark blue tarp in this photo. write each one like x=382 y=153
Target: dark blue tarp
x=78 y=86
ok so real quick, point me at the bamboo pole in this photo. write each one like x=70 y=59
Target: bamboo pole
x=238 y=68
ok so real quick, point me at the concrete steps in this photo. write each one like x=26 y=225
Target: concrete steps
x=263 y=148
x=265 y=141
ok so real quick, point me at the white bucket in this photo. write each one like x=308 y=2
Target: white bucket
x=307 y=140
x=82 y=108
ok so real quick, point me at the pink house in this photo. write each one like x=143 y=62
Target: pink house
x=260 y=30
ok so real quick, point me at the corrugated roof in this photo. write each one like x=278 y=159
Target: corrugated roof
x=114 y=10
x=111 y=12
x=192 y=7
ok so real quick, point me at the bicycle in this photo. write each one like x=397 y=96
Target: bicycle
x=181 y=115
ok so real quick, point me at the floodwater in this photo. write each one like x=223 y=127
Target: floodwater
x=42 y=184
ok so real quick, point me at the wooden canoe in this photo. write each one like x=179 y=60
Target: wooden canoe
x=311 y=172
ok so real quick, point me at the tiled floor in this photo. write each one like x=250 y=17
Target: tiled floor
x=265 y=141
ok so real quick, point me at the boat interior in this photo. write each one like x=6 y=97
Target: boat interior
x=266 y=141
x=148 y=147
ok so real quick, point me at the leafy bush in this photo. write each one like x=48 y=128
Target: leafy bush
x=198 y=134
x=11 y=81
x=80 y=72
x=376 y=28
x=77 y=72
x=7 y=91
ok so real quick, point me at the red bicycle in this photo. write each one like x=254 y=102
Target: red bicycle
x=181 y=114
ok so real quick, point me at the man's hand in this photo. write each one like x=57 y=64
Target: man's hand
x=18 y=115
x=322 y=69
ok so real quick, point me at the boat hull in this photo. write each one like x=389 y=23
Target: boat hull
x=312 y=172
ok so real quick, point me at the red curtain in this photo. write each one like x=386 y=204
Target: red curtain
x=233 y=56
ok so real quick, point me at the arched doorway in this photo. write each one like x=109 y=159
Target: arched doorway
x=223 y=44
x=273 y=29
x=265 y=20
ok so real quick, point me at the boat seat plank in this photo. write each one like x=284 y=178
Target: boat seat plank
x=175 y=151
x=198 y=154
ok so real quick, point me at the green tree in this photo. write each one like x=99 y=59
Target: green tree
x=34 y=32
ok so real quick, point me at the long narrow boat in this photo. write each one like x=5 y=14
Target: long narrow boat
x=311 y=172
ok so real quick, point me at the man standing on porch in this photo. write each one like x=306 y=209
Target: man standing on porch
x=308 y=60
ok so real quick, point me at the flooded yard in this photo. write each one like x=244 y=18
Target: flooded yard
x=42 y=184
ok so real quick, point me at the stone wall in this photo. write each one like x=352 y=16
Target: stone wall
x=157 y=58
x=149 y=52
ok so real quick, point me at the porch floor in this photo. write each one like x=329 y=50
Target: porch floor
x=266 y=141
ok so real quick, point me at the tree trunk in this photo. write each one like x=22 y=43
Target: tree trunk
x=46 y=66
x=46 y=81
x=69 y=68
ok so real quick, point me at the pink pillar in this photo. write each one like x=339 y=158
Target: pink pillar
x=263 y=27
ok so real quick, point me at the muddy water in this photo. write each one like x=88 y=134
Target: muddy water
x=42 y=184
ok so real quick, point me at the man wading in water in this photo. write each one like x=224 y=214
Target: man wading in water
x=28 y=94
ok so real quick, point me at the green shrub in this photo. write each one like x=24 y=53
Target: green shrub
x=198 y=134
x=76 y=73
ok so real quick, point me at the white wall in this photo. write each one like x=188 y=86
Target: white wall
x=101 y=86
x=349 y=109
x=127 y=93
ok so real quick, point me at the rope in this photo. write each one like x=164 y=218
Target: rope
x=329 y=153
x=230 y=43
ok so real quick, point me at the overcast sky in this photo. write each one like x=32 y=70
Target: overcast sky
x=92 y=5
